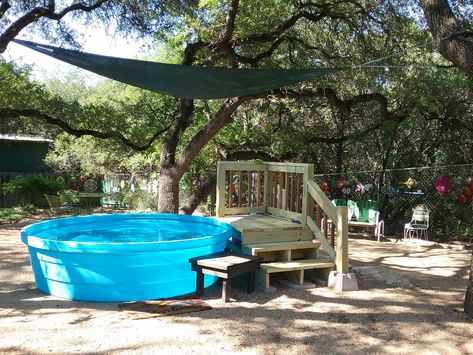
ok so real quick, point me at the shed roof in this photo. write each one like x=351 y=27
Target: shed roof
x=24 y=138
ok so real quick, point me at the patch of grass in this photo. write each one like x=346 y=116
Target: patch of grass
x=16 y=214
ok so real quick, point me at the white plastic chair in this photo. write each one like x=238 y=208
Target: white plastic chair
x=418 y=227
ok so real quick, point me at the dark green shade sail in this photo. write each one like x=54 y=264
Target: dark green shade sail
x=184 y=81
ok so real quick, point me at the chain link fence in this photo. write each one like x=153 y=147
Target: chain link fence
x=398 y=191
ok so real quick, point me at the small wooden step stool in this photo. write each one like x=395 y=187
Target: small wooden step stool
x=225 y=265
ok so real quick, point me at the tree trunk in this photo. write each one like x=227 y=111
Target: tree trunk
x=453 y=41
x=170 y=172
x=468 y=305
x=198 y=196
x=168 y=198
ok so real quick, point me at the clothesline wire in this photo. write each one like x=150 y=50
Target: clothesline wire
x=397 y=169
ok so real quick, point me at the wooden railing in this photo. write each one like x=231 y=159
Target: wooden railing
x=241 y=188
x=325 y=211
x=276 y=188
x=286 y=190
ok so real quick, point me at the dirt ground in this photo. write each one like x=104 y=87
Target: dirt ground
x=410 y=302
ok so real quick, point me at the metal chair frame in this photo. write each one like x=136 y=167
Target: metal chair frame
x=418 y=227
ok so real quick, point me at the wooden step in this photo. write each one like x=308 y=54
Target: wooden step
x=293 y=234
x=294 y=270
x=282 y=266
x=261 y=247
x=284 y=251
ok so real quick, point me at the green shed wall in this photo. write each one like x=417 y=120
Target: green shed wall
x=27 y=157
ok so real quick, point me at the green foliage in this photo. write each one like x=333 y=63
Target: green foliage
x=36 y=185
x=430 y=105
x=16 y=214
x=130 y=17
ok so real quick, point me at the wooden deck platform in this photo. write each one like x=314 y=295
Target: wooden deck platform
x=257 y=223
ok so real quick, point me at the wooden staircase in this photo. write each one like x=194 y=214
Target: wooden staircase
x=294 y=252
x=285 y=247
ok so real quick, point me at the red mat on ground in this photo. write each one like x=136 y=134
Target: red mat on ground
x=164 y=307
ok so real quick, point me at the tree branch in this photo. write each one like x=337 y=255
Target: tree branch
x=179 y=125
x=4 y=6
x=78 y=132
x=227 y=34
x=38 y=12
x=337 y=140
x=253 y=61
x=206 y=133
x=346 y=105
x=199 y=195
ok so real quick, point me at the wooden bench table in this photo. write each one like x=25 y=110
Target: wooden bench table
x=225 y=265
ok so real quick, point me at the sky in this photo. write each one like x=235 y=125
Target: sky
x=95 y=40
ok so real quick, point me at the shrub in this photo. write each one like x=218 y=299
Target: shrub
x=33 y=188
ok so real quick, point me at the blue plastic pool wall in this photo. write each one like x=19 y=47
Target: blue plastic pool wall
x=120 y=275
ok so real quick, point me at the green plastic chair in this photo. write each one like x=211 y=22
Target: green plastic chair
x=368 y=211
x=353 y=210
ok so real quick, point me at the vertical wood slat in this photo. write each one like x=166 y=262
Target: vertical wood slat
x=275 y=189
x=325 y=226
x=286 y=189
x=221 y=183
x=298 y=193
x=310 y=207
x=249 y=188
x=258 y=188
x=293 y=192
x=280 y=175
x=240 y=175
x=291 y=189
x=266 y=190
x=332 y=233
x=230 y=189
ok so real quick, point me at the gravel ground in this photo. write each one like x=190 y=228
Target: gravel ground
x=410 y=303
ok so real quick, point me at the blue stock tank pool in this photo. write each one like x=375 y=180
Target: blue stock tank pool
x=121 y=257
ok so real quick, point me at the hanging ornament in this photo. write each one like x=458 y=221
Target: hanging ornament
x=324 y=186
x=359 y=187
x=410 y=183
x=462 y=199
x=391 y=192
x=346 y=190
x=467 y=192
x=333 y=184
x=90 y=185
x=442 y=185
x=340 y=184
